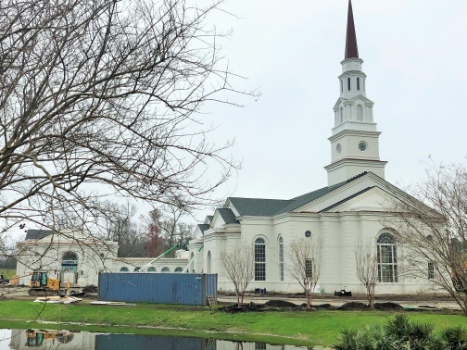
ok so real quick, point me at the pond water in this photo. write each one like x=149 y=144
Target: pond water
x=62 y=340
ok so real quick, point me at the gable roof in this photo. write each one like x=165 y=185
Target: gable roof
x=37 y=234
x=227 y=215
x=203 y=228
x=346 y=199
x=272 y=207
x=258 y=206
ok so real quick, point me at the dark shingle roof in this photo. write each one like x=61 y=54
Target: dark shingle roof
x=37 y=234
x=258 y=206
x=227 y=215
x=203 y=227
x=272 y=207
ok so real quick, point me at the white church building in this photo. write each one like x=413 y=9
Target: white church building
x=350 y=209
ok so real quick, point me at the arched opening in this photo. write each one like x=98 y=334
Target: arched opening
x=124 y=269
x=165 y=269
x=179 y=269
x=387 y=258
x=260 y=260
x=136 y=269
x=69 y=271
x=152 y=269
x=348 y=84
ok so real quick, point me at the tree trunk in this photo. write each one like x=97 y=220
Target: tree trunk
x=371 y=301
x=308 y=299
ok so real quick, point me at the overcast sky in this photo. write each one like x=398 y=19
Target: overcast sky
x=415 y=57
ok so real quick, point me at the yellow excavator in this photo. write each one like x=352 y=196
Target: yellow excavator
x=42 y=284
x=36 y=338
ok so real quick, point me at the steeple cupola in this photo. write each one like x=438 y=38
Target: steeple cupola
x=354 y=140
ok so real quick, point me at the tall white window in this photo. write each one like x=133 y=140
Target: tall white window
x=387 y=258
x=308 y=268
x=281 y=258
x=431 y=270
x=260 y=260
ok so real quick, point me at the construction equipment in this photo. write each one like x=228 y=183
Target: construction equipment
x=3 y=279
x=36 y=338
x=42 y=284
x=145 y=267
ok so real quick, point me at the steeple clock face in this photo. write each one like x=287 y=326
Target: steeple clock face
x=362 y=146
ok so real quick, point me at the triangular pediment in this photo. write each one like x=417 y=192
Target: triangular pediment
x=341 y=100
x=367 y=192
x=371 y=199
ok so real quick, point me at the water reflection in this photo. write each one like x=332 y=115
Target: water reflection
x=63 y=340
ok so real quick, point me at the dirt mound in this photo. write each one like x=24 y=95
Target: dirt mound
x=323 y=306
x=233 y=309
x=388 y=306
x=279 y=303
x=353 y=306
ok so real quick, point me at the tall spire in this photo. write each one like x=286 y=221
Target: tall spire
x=351 y=48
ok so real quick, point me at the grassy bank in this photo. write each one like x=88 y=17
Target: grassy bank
x=299 y=328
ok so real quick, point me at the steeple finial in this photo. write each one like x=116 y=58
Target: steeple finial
x=351 y=48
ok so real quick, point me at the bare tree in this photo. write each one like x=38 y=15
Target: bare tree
x=366 y=260
x=432 y=227
x=304 y=265
x=239 y=264
x=101 y=98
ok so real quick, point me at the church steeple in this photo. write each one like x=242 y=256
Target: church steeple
x=354 y=140
x=351 y=47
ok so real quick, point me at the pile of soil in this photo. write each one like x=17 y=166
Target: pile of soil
x=233 y=309
x=280 y=303
x=288 y=306
x=353 y=306
x=388 y=306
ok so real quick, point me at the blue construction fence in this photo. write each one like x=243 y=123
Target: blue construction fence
x=158 y=288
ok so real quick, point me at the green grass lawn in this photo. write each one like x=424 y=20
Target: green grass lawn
x=299 y=328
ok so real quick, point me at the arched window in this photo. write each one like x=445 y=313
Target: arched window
x=360 y=112
x=281 y=258
x=387 y=258
x=165 y=269
x=358 y=83
x=124 y=269
x=70 y=261
x=260 y=260
x=152 y=269
x=137 y=269
x=178 y=269
x=348 y=84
